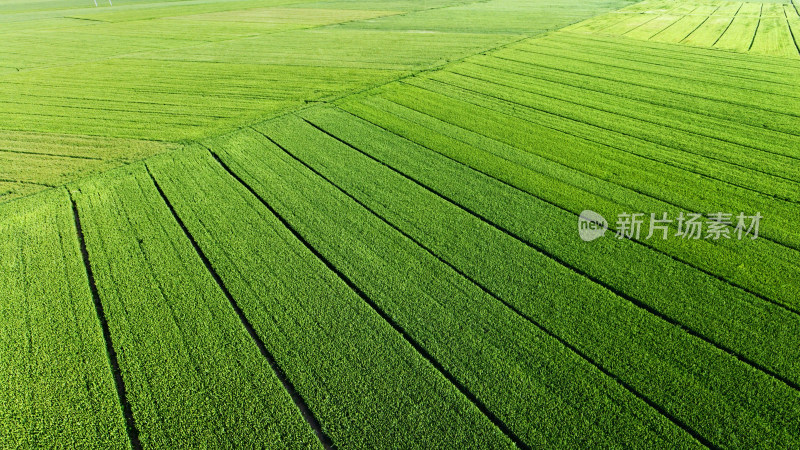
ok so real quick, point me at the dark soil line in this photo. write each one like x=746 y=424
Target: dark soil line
x=758 y=25
x=119 y=383
x=729 y=25
x=638 y=303
x=789 y=25
x=556 y=205
x=287 y=384
x=695 y=28
x=485 y=289
x=397 y=327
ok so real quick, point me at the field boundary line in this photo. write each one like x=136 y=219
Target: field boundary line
x=32 y=183
x=556 y=205
x=480 y=285
x=298 y=400
x=122 y=393
x=374 y=306
x=639 y=304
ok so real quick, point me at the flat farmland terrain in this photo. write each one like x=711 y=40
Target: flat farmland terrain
x=361 y=224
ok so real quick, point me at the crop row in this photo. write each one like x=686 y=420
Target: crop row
x=536 y=387
x=192 y=372
x=755 y=28
x=365 y=384
x=741 y=72
x=637 y=127
x=56 y=384
x=727 y=315
x=628 y=341
x=729 y=131
x=746 y=264
x=635 y=177
x=638 y=147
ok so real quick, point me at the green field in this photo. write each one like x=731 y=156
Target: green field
x=352 y=224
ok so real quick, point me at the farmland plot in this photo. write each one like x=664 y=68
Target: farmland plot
x=531 y=126
x=322 y=334
x=505 y=268
x=168 y=72
x=352 y=224
x=410 y=283
x=193 y=374
x=547 y=229
x=57 y=384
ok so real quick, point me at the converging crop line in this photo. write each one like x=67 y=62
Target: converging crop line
x=647 y=102
x=615 y=291
x=489 y=292
x=719 y=57
x=307 y=414
x=476 y=77
x=614 y=53
x=680 y=78
x=119 y=383
x=386 y=317
x=678 y=51
x=556 y=205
